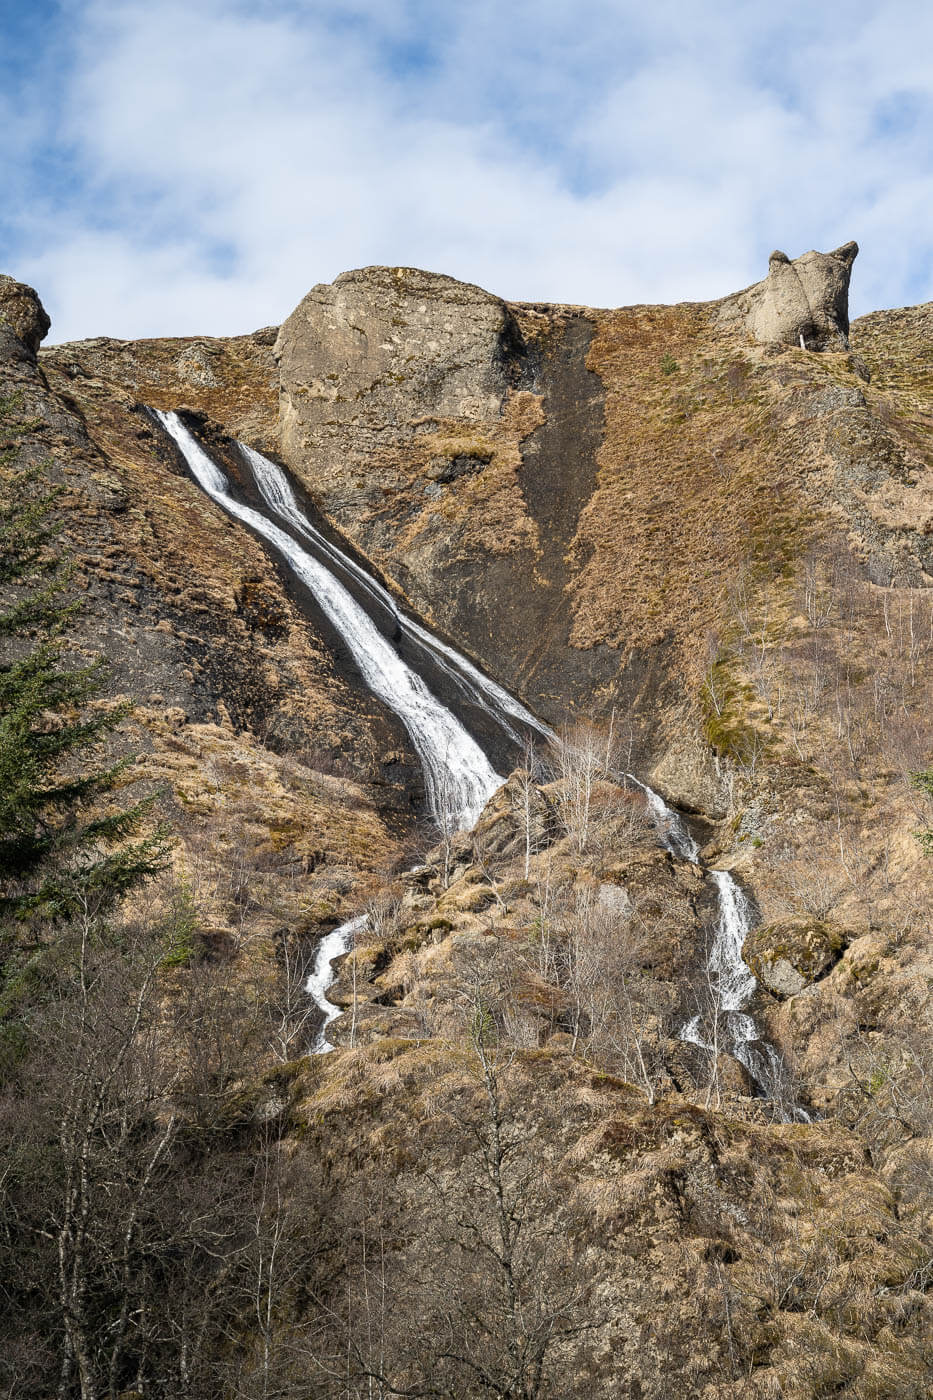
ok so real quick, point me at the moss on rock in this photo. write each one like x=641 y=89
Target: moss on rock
x=789 y=955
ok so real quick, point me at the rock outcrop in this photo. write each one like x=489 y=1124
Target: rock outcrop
x=22 y=312
x=453 y=437
x=804 y=301
x=790 y=954
x=383 y=347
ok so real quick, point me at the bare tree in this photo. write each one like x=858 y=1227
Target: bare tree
x=485 y=1294
x=126 y=1169
x=290 y=1010
x=583 y=757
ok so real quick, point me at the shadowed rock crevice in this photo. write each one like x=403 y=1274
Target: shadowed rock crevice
x=558 y=471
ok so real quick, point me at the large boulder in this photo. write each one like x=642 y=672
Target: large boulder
x=22 y=312
x=804 y=301
x=790 y=954
x=366 y=360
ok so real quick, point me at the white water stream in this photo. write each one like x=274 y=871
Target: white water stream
x=459 y=778
x=671 y=828
x=333 y=945
x=502 y=707
x=726 y=1024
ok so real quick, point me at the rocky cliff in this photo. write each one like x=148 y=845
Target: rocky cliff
x=705 y=531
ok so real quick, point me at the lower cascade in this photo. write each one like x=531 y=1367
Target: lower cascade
x=332 y=946
x=727 y=1024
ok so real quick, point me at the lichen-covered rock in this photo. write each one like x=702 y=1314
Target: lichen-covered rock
x=790 y=954
x=804 y=301
x=23 y=312
x=383 y=346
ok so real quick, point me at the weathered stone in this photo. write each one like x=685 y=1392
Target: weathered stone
x=686 y=774
x=23 y=312
x=381 y=347
x=733 y=1078
x=802 y=302
x=519 y=813
x=789 y=955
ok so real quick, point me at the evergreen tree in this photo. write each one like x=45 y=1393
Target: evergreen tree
x=60 y=850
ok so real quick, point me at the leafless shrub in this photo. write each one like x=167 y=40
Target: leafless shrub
x=819 y=590
x=580 y=761
x=290 y=1010
x=811 y=886
x=591 y=766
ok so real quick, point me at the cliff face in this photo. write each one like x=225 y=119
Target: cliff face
x=571 y=494
x=674 y=521
x=574 y=495
x=270 y=760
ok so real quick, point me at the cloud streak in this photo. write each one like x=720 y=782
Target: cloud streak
x=200 y=167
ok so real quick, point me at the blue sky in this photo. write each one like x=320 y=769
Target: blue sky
x=194 y=166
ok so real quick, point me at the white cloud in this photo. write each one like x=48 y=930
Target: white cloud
x=229 y=156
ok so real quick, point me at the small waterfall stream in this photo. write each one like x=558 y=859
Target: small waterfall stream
x=332 y=946
x=727 y=1025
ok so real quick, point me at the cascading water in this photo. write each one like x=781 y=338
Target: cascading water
x=458 y=776
x=332 y=946
x=671 y=828
x=502 y=707
x=727 y=1024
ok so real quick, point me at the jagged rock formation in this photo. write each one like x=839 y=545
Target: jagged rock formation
x=22 y=313
x=453 y=437
x=567 y=490
x=802 y=302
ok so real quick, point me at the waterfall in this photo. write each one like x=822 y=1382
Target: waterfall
x=731 y=982
x=480 y=690
x=458 y=776
x=731 y=975
x=332 y=946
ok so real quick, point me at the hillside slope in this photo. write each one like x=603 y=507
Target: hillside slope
x=702 y=549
